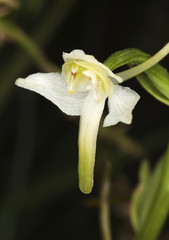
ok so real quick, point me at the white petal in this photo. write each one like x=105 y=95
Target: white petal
x=121 y=105
x=75 y=54
x=80 y=55
x=53 y=87
x=89 y=124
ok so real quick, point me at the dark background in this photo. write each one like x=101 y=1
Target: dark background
x=39 y=196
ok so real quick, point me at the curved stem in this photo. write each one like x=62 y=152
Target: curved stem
x=125 y=75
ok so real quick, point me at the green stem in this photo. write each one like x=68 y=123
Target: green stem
x=125 y=75
x=105 y=205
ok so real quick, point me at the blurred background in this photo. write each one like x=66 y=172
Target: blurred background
x=39 y=194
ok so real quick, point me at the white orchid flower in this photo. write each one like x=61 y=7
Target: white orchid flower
x=81 y=89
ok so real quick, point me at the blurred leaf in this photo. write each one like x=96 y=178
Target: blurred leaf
x=155 y=80
x=17 y=61
x=15 y=33
x=7 y=5
x=156 y=83
x=150 y=203
x=144 y=175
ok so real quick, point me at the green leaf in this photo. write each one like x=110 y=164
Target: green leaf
x=150 y=203
x=126 y=56
x=138 y=193
x=155 y=80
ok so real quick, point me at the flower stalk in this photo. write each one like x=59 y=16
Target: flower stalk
x=132 y=72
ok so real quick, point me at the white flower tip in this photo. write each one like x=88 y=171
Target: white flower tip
x=111 y=121
x=64 y=55
x=75 y=54
x=115 y=78
x=19 y=82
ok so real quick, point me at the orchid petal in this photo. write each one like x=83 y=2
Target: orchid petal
x=121 y=105
x=54 y=88
x=89 y=124
x=81 y=56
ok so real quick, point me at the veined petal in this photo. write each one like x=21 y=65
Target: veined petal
x=121 y=105
x=53 y=87
x=89 y=124
x=81 y=56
